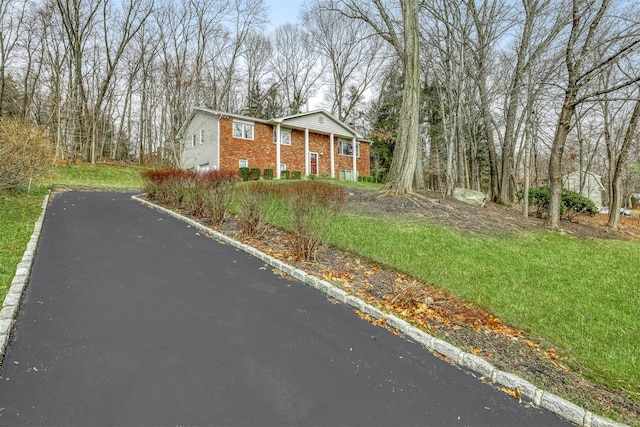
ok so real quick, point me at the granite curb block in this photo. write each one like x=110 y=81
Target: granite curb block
x=471 y=362
x=11 y=303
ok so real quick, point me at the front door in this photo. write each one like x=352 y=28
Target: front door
x=313 y=163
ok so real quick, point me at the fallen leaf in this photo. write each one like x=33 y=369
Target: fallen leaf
x=513 y=393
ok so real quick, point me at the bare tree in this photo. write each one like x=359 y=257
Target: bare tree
x=12 y=14
x=34 y=53
x=176 y=37
x=402 y=34
x=118 y=29
x=619 y=140
x=256 y=54
x=592 y=33
x=355 y=57
x=79 y=21
x=487 y=32
x=207 y=16
x=297 y=70
x=246 y=17
x=530 y=48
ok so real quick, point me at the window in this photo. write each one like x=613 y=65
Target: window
x=345 y=148
x=193 y=140
x=285 y=136
x=283 y=167
x=201 y=136
x=346 y=175
x=242 y=130
x=243 y=163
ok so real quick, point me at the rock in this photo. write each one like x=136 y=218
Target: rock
x=470 y=196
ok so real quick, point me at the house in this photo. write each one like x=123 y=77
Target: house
x=314 y=143
x=593 y=188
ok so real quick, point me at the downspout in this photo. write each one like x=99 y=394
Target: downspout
x=333 y=160
x=218 y=147
x=278 y=151
x=306 y=152
x=355 y=168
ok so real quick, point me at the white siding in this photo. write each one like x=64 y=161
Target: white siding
x=320 y=123
x=201 y=154
x=592 y=186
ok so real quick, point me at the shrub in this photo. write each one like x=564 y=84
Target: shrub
x=251 y=201
x=207 y=194
x=217 y=194
x=296 y=175
x=576 y=203
x=268 y=174
x=284 y=174
x=538 y=197
x=244 y=174
x=313 y=205
x=571 y=203
x=25 y=153
x=193 y=194
x=168 y=185
x=254 y=174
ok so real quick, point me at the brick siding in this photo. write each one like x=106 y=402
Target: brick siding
x=261 y=151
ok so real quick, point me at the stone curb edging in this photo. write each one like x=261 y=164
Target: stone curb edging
x=473 y=363
x=12 y=300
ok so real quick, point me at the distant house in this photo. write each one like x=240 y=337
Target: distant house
x=314 y=143
x=593 y=188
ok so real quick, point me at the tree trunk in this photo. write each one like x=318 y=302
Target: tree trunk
x=488 y=133
x=617 y=197
x=405 y=156
x=555 y=159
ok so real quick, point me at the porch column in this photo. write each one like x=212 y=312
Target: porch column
x=333 y=160
x=306 y=151
x=278 y=151
x=355 y=168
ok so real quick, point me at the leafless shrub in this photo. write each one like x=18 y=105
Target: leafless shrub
x=251 y=199
x=312 y=207
x=217 y=193
x=25 y=153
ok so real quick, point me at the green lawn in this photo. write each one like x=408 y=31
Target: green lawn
x=581 y=296
x=95 y=176
x=18 y=214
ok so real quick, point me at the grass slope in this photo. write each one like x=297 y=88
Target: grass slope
x=579 y=295
x=18 y=214
x=94 y=176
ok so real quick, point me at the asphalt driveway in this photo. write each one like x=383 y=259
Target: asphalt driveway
x=132 y=317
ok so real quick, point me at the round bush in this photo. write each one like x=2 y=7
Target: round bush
x=25 y=153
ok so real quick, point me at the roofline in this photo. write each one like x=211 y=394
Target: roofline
x=232 y=115
x=596 y=176
x=321 y=111
x=273 y=121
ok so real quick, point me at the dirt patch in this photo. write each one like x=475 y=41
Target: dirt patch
x=489 y=220
x=439 y=313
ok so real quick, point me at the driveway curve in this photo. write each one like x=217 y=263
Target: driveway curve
x=132 y=317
